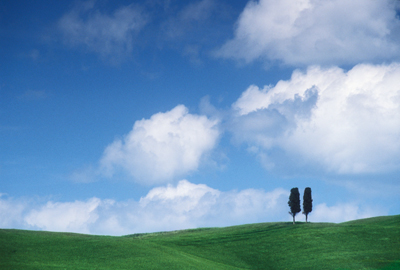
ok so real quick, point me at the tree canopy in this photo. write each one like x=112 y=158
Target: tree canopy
x=294 y=202
x=307 y=202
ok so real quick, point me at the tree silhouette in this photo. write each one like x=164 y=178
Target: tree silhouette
x=307 y=202
x=294 y=202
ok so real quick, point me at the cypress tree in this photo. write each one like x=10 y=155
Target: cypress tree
x=307 y=202
x=294 y=202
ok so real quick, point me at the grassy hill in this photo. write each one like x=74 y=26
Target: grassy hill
x=361 y=244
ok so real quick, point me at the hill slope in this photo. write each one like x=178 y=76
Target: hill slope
x=363 y=244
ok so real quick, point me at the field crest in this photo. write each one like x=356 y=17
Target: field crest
x=361 y=244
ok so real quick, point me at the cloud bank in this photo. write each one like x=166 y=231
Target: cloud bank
x=185 y=205
x=162 y=148
x=343 y=212
x=65 y=217
x=320 y=32
x=343 y=122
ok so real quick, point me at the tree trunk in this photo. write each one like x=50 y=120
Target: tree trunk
x=306 y=217
x=293 y=220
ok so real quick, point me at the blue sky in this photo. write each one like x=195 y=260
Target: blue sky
x=120 y=117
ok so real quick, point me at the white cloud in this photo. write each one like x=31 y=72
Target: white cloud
x=341 y=212
x=183 y=206
x=185 y=196
x=172 y=207
x=189 y=205
x=11 y=211
x=345 y=122
x=65 y=217
x=110 y=35
x=316 y=32
x=161 y=148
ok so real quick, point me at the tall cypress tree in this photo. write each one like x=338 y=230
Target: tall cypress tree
x=307 y=202
x=294 y=202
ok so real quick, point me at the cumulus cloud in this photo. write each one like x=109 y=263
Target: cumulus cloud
x=110 y=35
x=161 y=148
x=183 y=206
x=191 y=205
x=342 y=212
x=11 y=211
x=344 y=122
x=65 y=217
x=316 y=32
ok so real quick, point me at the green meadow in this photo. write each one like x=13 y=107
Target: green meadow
x=372 y=243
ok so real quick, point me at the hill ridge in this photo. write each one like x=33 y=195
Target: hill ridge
x=371 y=243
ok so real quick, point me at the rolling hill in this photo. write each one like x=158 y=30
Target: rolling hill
x=372 y=243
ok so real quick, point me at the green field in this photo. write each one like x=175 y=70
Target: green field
x=361 y=244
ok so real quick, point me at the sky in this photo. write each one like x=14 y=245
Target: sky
x=122 y=117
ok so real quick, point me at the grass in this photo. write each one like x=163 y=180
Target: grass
x=362 y=244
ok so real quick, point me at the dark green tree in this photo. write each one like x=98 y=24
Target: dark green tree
x=294 y=202
x=307 y=202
